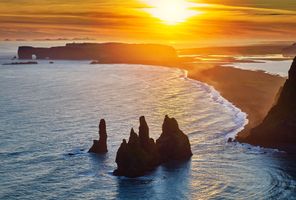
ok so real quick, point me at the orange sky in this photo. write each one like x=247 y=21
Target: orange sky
x=214 y=22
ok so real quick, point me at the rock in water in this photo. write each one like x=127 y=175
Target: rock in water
x=173 y=144
x=139 y=155
x=278 y=129
x=143 y=132
x=100 y=146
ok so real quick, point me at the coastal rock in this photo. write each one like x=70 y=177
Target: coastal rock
x=173 y=144
x=278 y=129
x=22 y=63
x=100 y=146
x=105 y=53
x=139 y=155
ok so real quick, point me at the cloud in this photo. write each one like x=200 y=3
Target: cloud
x=127 y=20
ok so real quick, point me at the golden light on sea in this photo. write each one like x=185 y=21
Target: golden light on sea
x=171 y=12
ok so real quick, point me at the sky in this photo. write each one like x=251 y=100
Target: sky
x=176 y=22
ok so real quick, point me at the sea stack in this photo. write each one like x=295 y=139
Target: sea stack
x=278 y=129
x=141 y=154
x=137 y=156
x=173 y=144
x=100 y=146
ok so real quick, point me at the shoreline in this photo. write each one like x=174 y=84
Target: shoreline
x=253 y=92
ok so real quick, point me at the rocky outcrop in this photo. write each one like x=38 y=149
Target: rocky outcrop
x=137 y=156
x=105 y=53
x=141 y=154
x=21 y=63
x=173 y=144
x=278 y=129
x=100 y=146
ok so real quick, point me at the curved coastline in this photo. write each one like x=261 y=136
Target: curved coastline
x=215 y=167
x=253 y=92
x=241 y=119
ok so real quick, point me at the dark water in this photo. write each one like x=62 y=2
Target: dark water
x=48 y=111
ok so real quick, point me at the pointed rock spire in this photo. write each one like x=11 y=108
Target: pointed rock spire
x=143 y=131
x=100 y=146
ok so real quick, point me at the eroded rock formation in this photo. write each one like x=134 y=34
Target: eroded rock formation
x=137 y=156
x=100 y=146
x=173 y=144
x=141 y=154
x=278 y=129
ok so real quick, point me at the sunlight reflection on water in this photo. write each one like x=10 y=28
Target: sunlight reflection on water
x=48 y=111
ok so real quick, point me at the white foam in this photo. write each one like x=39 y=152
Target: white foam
x=240 y=118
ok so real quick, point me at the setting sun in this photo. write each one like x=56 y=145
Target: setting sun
x=171 y=11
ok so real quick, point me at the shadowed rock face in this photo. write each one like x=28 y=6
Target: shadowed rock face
x=278 y=129
x=173 y=144
x=105 y=53
x=141 y=154
x=100 y=146
x=137 y=156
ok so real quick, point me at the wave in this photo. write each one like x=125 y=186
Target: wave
x=240 y=118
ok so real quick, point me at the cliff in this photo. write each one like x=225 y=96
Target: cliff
x=278 y=129
x=104 y=53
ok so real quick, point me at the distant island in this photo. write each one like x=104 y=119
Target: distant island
x=105 y=53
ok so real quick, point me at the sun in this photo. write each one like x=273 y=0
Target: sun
x=171 y=11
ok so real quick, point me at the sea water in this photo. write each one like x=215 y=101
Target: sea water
x=274 y=67
x=49 y=116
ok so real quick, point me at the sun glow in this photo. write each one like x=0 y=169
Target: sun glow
x=171 y=11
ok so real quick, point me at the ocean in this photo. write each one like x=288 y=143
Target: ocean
x=274 y=67
x=49 y=116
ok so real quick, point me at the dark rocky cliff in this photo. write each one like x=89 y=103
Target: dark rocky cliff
x=105 y=53
x=278 y=129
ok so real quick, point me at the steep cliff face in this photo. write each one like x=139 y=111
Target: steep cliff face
x=104 y=53
x=278 y=129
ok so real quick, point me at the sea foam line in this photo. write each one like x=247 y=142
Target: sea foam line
x=240 y=118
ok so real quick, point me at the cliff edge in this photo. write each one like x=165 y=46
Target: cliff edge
x=278 y=129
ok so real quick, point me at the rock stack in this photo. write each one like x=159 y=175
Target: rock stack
x=141 y=154
x=173 y=144
x=138 y=155
x=100 y=146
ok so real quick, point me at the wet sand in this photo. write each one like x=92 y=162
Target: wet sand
x=254 y=92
